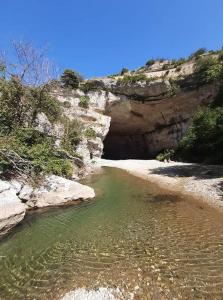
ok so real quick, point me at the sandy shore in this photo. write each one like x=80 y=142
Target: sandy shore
x=198 y=181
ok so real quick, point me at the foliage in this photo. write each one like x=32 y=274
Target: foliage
x=72 y=135
x=71 y=79
x=218 y=101
x=166 y=155
x=198 y=53
x=150 y=62
x=84 y=101
x=28 y=152
x=203 y=141
x=25 y=151
x=90 y=133
x=208 y=69
x=20 y=105
x=91 y=85
x=66 y=104
x=131 y=79
x=123 y=71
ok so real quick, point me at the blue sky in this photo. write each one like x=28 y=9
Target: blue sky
x=99 y=37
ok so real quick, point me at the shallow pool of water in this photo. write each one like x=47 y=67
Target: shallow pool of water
x=132 y=237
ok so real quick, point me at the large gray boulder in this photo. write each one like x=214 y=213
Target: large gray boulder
x=59 y=191
x=12 y=210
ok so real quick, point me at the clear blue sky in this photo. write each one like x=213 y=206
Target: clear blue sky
x=99 y=37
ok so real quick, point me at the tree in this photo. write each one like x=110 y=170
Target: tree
x=30 y=64
x=71 y=79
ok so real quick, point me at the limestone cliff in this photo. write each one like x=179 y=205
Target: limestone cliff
x=140 y=113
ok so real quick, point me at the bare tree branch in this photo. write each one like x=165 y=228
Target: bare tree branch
x=31 y=65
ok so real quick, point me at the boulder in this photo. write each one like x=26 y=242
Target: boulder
x=12 y=210
x=59 y=191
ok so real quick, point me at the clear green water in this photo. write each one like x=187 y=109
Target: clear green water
x=132 y=236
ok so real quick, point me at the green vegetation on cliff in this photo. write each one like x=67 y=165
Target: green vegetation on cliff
x=203 y=141
x=26 y=149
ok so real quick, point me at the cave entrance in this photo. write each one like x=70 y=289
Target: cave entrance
x=123 y=146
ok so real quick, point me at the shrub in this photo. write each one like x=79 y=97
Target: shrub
x=29 y=152
x=84 y=101
x=72 y=135
x=90 y=133
x=71 y=79
x=131 y=79
x=166 y=155
x=198 y=53
x=20 y=105
x=150 y=62
x=208 y=70
x=123 y=71
x=203 y=141
x=91 y=85
x=40 y=100
x=66 y=104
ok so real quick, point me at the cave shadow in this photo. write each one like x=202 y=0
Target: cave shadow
x=220 y=186
x=191 y=170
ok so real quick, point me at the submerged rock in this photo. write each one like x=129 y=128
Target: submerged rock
x=83 y=294
x=58 y=191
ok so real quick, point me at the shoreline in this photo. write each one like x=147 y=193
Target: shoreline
x=200 y=182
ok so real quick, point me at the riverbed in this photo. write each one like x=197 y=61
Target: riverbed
x=133 y=239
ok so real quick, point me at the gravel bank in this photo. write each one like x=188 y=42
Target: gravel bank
x=198 y=181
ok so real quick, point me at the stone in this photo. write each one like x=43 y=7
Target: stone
x=59 y=191
x=26 y=192
x=12 y=210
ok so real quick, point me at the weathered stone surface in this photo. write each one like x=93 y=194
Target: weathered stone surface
x=140 y=129
x=26 y=192
x=58 y=191
x=12 y=210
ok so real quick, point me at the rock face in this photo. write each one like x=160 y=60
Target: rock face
x=136 y=119
x=12 y=210
x=93 y=118
x=59 y=191
x=16 y=197
x=142 y=128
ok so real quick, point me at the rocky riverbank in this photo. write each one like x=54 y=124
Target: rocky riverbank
x=17 y=197
x=201 y=182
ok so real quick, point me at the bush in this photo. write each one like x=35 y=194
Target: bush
x=131 y=79
x=31 y=153
x=208 y=70
x=90 y=133
x=123 y=71
x=72 y=135
x=203 y=141
x=84 y=101
x=150 y=62
x=92 y=85
x=198 y=53
x=165 y=155
x=71 y=79
x=66 y=104
x=20 y=105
